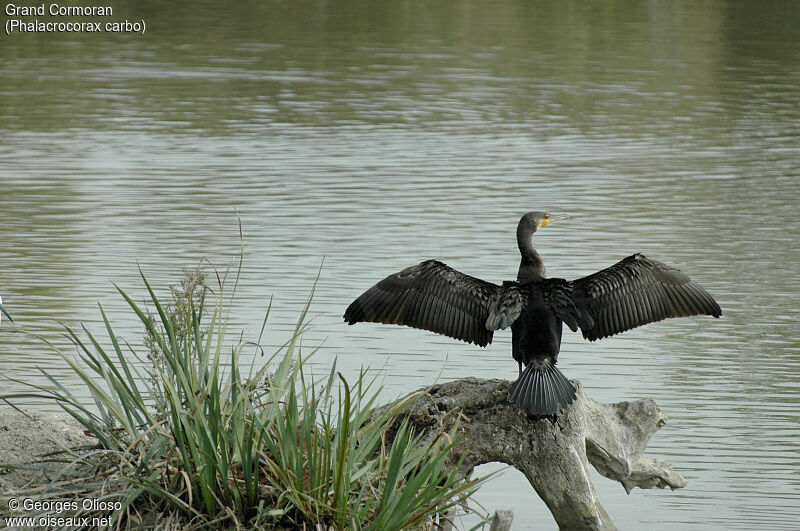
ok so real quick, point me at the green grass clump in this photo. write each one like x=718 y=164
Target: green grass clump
x=189 y=438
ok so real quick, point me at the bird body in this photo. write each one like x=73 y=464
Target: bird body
x=433 y=296
x=535 y=343
x=536 y=333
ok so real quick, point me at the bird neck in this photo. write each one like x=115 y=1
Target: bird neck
x=531 y=266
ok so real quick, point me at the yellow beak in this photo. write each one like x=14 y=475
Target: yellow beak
x=550 y=219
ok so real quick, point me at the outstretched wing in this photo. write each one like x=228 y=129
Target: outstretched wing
x=637 y=291
x=431 y=296
x=505 y=305
x=558 y=295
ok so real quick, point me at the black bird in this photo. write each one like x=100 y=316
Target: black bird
x=630 y=293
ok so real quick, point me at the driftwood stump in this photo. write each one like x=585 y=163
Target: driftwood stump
x=554 y=456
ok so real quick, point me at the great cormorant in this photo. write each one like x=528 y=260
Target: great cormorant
x=630 y=293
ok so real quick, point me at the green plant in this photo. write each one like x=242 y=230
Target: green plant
x=194 y=436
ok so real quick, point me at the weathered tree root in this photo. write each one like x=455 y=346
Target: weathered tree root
x=554 y=456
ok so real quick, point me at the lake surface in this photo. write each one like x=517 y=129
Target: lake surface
x=375 y=135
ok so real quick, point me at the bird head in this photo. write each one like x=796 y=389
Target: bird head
x=533 y=221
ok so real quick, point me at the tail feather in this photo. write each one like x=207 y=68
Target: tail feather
x=542 y=389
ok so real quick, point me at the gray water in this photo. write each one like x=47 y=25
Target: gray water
x=374 y=135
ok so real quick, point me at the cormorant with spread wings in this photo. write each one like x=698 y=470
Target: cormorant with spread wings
x=633 y=292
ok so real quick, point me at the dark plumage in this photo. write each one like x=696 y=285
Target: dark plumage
x=630 y=293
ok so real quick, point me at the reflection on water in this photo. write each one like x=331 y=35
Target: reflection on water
x=376 y=136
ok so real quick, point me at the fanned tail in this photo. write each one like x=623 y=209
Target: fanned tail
x=542 y=389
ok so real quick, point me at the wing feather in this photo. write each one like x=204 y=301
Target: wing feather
x=558 y=295
x=431 y=296
x=636 y=291
x=506 y=305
